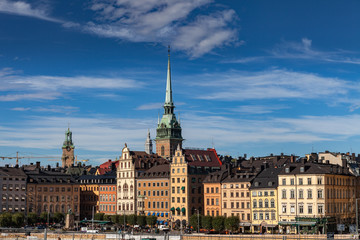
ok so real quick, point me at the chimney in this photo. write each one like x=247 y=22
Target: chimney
x=245 y=155
x=7 y=165
x=344 y=162
x=292 y=158
x=48 y=167
x=57 y=165
x=38 y=165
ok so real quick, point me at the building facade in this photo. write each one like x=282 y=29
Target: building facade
x=13 y=189
x=89 y=195
x=52 y=190
x=153 y=194
x=107 y=193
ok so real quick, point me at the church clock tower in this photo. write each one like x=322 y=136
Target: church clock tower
x=68 y=150
x=168 y=132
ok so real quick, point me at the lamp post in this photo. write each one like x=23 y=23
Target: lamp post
x=198 y=222
x=92 y=220
x=357 y=217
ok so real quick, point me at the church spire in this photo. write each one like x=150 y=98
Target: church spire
x=168 y=97
x=148 y=144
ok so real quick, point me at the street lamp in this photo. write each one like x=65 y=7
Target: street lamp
x=357 y=217
x=93 y=217
x=198 y=223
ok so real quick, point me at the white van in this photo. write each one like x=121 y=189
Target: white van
x=92 y=231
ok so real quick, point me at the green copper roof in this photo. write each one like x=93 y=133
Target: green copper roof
x=68 y=139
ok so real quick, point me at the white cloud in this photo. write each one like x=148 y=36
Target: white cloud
x=257 y=109
x=270 y=84
x=25 y=9
x=20 y=109
x=51 y=87
x=164 y=21
x=150 y=106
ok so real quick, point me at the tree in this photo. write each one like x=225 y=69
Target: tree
x=194 y=219
x=58 y=217
x=207 y=222
x=121 y=219
x=218 y=223
x=32 y=218
x=6 y=219
x=141 y=220
x=18 y=219
x=151 y=220
x=43 y=217
x=99 y=216
x=114 y=218
x=131 y=219
x=232 y=223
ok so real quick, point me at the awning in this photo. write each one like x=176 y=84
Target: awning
x=162 y=214
x=183 y=188
x=161 y=222
x=270 y=225
x=153 y=214
x=157 y=214
x=183 y=210
x=166 y=214
x=149 y=214
x=178 y=209
x=304 y=223
x=172 y=209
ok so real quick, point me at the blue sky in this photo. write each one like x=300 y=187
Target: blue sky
x=254 y=77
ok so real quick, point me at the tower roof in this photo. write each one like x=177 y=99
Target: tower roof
x=168 y=96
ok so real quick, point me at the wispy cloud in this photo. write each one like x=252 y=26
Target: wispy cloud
x=150 y=106
x=50 y=87
x=25 y=9
x=257 y=109
x=164 y=21
x=270 y=84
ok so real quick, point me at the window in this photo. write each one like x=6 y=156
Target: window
x=309 y=181
x=292 y=182
x=284 y=181
x=272 y=203
x=260 y=203
x=267 y=216
x=320 y=194
x=309 y=209
x=320 y=209
x=254 y=193
x=255 y=216
x=254 y=204
x=301 y=209
x=261 y=216
x=301 y=194
x=266 y=203
x=300 y=181
x=309 y=193
x=272 y=193
x=292 y=194
x=292 y=209
x=319 y=181
x=283 y=194
x=259 y=193
x=225 y=204
x=272 y=216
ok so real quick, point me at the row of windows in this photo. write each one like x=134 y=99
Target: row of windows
x=6 y=197
x=154 y=184
x=178 y=170
x=301 y=182
x=212 y=201
x=237 y=186
x=158 y=205
x=208 y=190
x=237 y=194
x=301 y=194
x=107 y=197
x=52 y=189
x=264 y=216
x=265 y=205
x=53 y=208
x=261 y=193
x=301 y=209
x=125 y=174
x=155 y=193
x=232 y=205
x=126 y=207
x=107 y=207
x=54 y=198
x=16 y=179
x=107 y=188
x=13 y=208
x=89 y=188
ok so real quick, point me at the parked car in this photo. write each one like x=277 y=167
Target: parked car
x=188 y=231
x=41 y=227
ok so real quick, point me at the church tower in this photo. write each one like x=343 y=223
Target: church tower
x=68 y=150
x=168 y=132
x=148 y=144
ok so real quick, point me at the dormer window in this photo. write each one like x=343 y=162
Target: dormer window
x=287 y=170
x=302 y=169
x=256 y=184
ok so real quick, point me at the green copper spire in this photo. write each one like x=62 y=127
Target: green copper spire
x=168 y=97
x=68 y=139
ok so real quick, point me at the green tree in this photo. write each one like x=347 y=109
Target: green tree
x=18 y=219
x=194 y=221
x=218 y=223
x=121 y=219
x=207 y=222
x=43 y=217
x=58 y=217
x=141 y=220
x=114 y=218
x=151 y=220
x=99 y=216
x=5 y=219
x=232 y=223
x=32 y=218
x=131 y=219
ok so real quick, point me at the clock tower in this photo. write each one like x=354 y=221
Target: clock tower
x=168 y=132
x=68 y=150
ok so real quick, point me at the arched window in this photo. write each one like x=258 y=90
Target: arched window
x=266 y=203
x=272 y=203
x=63 y=208
x=131 y=188
x=51 y=208
x=254 y=204
x=57 y=208
x=162 y=150
x=45 y=208
x=260 y=203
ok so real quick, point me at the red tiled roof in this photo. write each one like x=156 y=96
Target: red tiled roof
x=202 y=158
x=107 y=165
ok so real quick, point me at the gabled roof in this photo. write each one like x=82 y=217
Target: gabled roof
x=108 y=164
x=52 y=176
x=12 y=172
x=313 y=168
x=159 y=171
x=267 y=178
x=143 y=161
x=218 y=176
x=202 y=158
